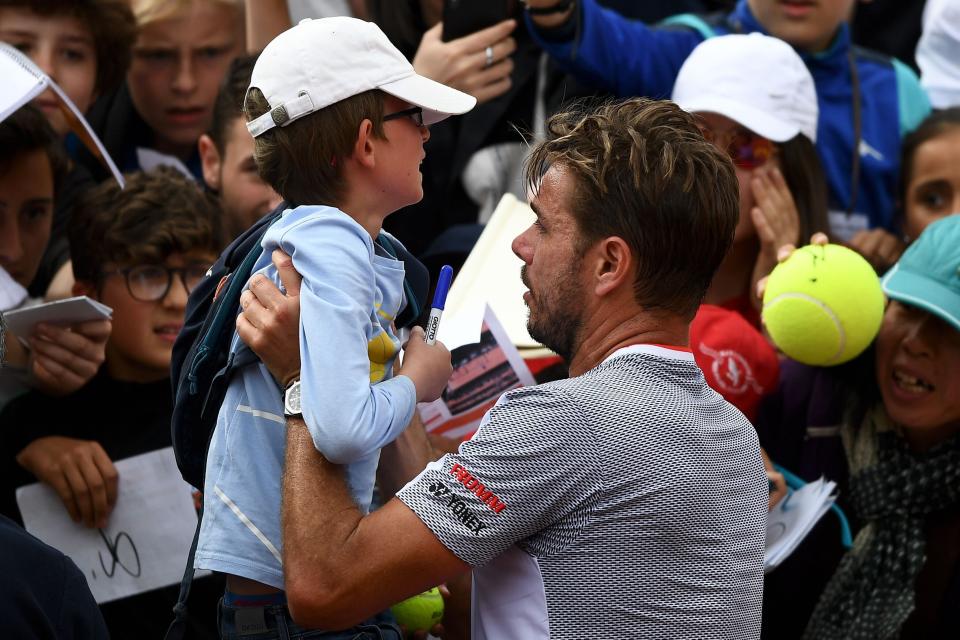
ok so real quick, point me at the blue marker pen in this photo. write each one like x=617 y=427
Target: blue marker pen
x=439 y=300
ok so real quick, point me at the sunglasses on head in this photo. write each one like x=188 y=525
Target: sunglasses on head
x=747 y=150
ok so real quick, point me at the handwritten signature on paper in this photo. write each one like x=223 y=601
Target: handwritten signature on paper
x=130 y=562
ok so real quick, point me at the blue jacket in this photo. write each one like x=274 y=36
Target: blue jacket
x=630 y=58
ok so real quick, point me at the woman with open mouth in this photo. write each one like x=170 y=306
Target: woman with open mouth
x=886 y=427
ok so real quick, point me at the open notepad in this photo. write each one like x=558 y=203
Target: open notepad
x=793 y=518
x=68 y=311
x=23 y=81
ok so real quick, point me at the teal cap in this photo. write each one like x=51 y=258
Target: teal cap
x=928 y=274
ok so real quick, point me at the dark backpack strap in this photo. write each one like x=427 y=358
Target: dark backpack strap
x=178 y=628
x=416 y=280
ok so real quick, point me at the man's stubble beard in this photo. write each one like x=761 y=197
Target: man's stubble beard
x=558 y=319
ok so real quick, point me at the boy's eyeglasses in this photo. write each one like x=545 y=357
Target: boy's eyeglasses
x=746 y=149
x=149 y=283
x=414 y=113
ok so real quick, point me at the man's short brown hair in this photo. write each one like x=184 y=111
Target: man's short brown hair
x=111 y=25
x=643 y=172
x=303 y=161
x=159 y=213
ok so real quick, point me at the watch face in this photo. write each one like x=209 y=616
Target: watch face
x=293 y=399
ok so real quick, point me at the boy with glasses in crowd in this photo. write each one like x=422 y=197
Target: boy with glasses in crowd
x=140 y=251
x=339 y=118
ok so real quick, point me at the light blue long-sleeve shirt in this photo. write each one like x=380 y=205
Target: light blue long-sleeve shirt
x=350 y=295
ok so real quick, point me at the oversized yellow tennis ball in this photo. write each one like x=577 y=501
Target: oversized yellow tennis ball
x=420 y=612
x=823 y=305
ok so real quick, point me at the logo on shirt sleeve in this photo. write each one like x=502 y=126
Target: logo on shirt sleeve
x=476 y=487
x=458 y=507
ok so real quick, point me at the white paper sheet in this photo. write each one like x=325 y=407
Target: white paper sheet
x=68 y=311
x=793 y=518
x=146 y=542
x=483 y=371
x=491 y=275
x=23 y=81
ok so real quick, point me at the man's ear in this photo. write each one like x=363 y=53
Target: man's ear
x=613 y=265
x=210 y=161
x=364 y=149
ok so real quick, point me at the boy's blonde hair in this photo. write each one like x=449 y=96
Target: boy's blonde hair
x=303 y=161
x=147 y=11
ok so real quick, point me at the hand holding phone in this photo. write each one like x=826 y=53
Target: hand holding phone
x=463 y=17
x=478 y=64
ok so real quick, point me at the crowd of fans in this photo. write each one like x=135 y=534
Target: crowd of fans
x=825 y=136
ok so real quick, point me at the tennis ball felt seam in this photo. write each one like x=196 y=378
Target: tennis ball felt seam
x=823 y=307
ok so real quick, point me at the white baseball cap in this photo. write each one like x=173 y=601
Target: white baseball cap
x=319 y=62
x=937 y=53
x=758 y=81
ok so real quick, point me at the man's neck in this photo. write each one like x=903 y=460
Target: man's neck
x=605 y=332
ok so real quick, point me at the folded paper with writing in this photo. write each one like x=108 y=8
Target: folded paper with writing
x=147 y=539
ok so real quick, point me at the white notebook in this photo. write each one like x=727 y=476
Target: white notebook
x=23 y=81
x=793 y=518
x=68 y=311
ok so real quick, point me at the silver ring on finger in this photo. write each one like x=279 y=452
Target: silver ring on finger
x=489 y=53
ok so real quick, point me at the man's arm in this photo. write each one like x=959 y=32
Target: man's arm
x=339 y=566
x=404 y=458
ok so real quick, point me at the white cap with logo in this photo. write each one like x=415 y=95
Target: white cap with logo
x=319 y=62
x=758 y=81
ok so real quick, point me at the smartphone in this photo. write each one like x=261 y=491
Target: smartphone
x=463 y=17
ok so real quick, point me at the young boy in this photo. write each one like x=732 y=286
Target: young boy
x=140 y=251
x=85 y=48
x=55 y=359
x=226 y=152
x=180 y=57
x=339 y=119
x=867 y=102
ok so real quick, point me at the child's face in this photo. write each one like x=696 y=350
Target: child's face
x=806 y=24
x=934 y=189
x=244 y=196
x=26 y=213
x=178 y=64
x=141 y=341
x=62 y=47
x=399 y=157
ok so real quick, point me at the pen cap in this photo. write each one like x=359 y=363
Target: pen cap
x=443 y=287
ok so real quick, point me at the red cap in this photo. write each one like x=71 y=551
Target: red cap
x=736 y=360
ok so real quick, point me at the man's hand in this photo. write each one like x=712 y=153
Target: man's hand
x=270 y=321
x=881 y=248
x=427 y=365
x=64 y=358
x=462 y=63
x=79 y=471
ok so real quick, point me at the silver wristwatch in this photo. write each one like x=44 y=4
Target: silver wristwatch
x=291 y=400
